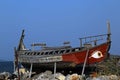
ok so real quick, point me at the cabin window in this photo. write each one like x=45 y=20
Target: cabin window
x=56 y=52
x=42 y=53
x=46 y=53
x=51 y=52
x=28 y=53
x=31 y=53
x=25 y=53
x=73 y=50
x=67 y=51
x=62 y=51
x=38 y=53
x=34 y=53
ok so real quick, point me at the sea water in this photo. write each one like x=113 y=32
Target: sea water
x=6 y=66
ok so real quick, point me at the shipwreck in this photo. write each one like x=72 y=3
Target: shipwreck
x=92 y=50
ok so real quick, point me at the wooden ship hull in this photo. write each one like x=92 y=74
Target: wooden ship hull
x=91 y=51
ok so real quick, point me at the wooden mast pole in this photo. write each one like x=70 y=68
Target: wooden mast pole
x=109 y=33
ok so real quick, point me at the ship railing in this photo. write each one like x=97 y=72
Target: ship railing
x=93 y=40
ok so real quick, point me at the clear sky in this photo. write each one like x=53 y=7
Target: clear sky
x=56 y=21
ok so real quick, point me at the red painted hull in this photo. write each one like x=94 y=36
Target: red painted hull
x=79 y=57
x=68 y=60
x=71 y=59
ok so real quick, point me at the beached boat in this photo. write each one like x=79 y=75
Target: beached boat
x=93 y=49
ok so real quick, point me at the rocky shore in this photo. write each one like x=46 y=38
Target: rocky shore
x=47 y=75
x=58 y=76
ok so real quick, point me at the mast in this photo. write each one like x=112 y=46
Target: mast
x=21 y=45
x=109 y=32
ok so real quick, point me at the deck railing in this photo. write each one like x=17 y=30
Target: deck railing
x=93 y=40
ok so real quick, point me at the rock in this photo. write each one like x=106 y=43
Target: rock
x=58 y=76
x=113 y=77
x=103 y=77
x=13 y=76
x=48 y=72
x=73 y=77
x=42 y=76
x=49 y=76
x=4 y=75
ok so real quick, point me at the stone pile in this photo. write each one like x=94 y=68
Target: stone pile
x=58 y=76
x=48 y=75
x=4 y=75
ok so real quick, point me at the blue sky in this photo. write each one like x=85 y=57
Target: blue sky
x=56 y=21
